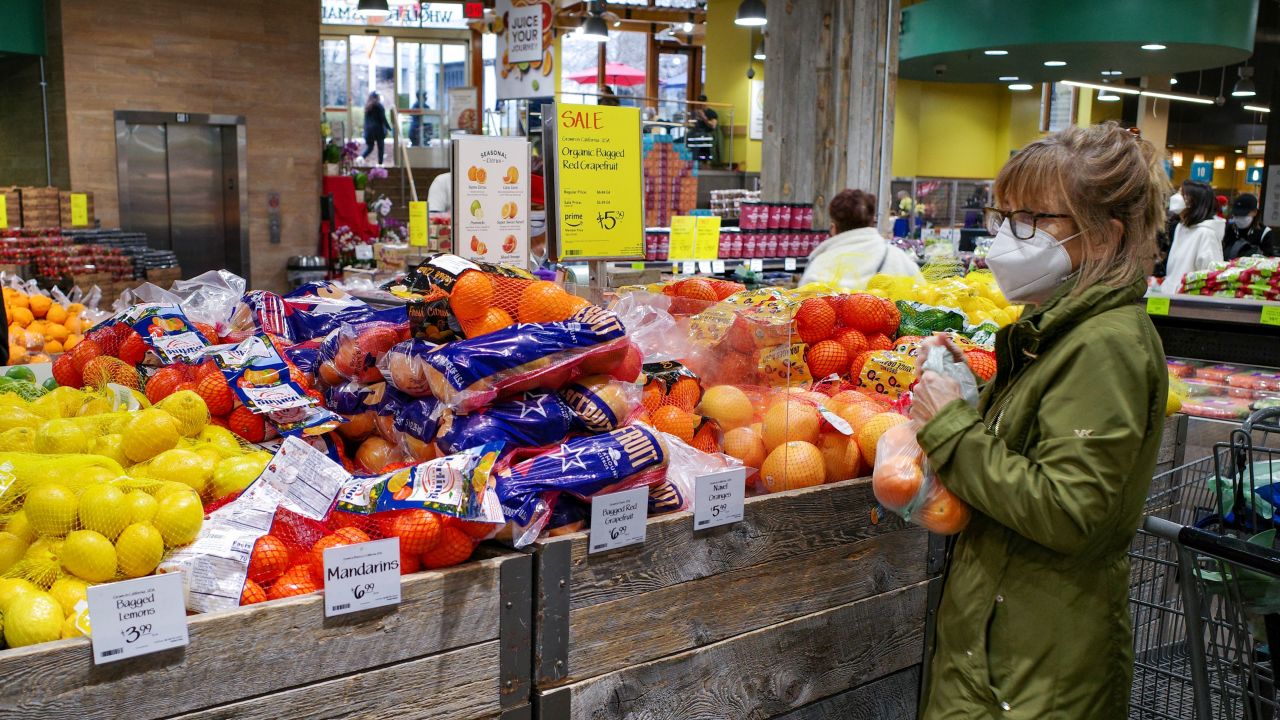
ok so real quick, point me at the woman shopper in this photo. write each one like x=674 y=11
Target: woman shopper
x=376 y=126
x=856 y=250
x=1056 y=459
x=1197 y=241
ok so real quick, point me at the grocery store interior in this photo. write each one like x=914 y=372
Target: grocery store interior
x=662 y=359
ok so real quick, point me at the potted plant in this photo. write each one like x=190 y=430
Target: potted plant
x=361 y=180
x=332 y=156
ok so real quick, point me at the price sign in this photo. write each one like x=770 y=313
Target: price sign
x=1157 y=305
x=684 y=229
x=137 y=617
x=4 y=212
x=79 y=209
x=687 y=268
x=598 y=182
x=757 y=265
x=491 y=197
x=789 y=264
x=704 y=267
x=418 y=223
x=364 y=252
x=1270 y=315
x=637 y=266
x=618 y=519
x=718 y=498
x=717 y=267
x=708 y=245
x=361 y=576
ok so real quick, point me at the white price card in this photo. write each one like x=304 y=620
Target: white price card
x=717 y=266
x=704 y=266
x=137 y=617
x=361 y=576
x=618 y=519
x=364 y=252
x=789 y=264
x=718 y=497
x=687 y=268
x=757 y=265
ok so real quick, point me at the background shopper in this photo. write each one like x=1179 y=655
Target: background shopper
x=1056 y=459
x=376 y=126
x=1245 y=233
x=856 y=250
x=1197 y=241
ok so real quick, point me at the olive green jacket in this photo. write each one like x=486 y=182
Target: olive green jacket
x=1055 y=463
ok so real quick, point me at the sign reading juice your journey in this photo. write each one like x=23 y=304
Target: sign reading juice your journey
x=598 y=182
x=491 y=199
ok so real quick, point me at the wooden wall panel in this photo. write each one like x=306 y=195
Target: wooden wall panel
x=233 y=57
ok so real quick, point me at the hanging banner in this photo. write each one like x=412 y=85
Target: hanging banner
x=491 y=199
x=526 y=62
x=418 y=223
x=597 y=185
x=462 y=109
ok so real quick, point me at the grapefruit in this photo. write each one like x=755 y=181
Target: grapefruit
x=840 y=456
x=790 y=420
x=870 y=432
x=727 y=405
x=745 y=444
x=792 y=465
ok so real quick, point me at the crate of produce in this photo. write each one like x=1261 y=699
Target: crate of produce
x=69 y=203
x=41 y=207
x=455 y=647
x=164 y=276
x=808 y=600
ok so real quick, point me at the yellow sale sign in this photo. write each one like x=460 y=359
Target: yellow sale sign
x=418 y=223
x=79 y=210
x=599 y=183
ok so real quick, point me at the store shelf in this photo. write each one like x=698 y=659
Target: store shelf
x=704 y=267
x=1216 y=329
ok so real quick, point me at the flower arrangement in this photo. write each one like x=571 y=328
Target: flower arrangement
x=381 y=206
x=353 y=250
x=394 y=231
x=377 y=172
x=350 y=151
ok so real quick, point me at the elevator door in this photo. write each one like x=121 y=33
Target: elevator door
x=180 y=184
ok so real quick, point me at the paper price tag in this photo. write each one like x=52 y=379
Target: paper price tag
x=757 y=265
x=718 y=498
x=79 y=209
x=789 y=264
x=361 y=576
x=687 y=268
x=364 y=252
x=1270 y=315
x=618 y=519
x=137 y=617
x=1158 y=305
x=637 y=266
x=4 y=212
x=418 y=223
x=717 y=266
x=704 y=266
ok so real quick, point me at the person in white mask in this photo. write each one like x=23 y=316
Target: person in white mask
x=1055 y=460
x=1197 y=241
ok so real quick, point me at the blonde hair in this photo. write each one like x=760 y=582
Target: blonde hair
x=1101 y=173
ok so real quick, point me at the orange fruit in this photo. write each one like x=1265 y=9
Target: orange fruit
x=706 y=439
x=54 y=331
x=56 y=314
x=673 y=420
x=19 y=300
x=269 y=560
x=840 y=456
x=252 y=593
x=653 y=396
x=815 y=320
x=545 y=301
x=870 y=432
x=216 y=393
x=248 y=425
x=857 y=414
x=727 y=405
x=746 y=445
x=163 y=383
x=944 y=513
x=40 y=305
x=896 y=481
x=299 y=580
x=493 y=319
x=455 y=546
x=22 y=316
x=106 y=369
x=52 y=347
x=345 y=536
x=685 y=394
x=789 y=420
x=72 y=341
x=982 y=363
x=472 y=295
x=418 y=530
x=793 y=465
x=827 y=357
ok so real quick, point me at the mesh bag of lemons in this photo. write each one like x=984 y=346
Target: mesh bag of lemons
x=97 y=486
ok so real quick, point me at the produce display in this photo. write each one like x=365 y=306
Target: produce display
x=1221 y=391
x=1254 y=278
x=44 y=324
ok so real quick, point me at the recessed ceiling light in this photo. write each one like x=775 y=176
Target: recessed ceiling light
x=1153 y=46
x=1054 y=63
x=1173 y=81
x=1112 y=73
x=1105 y=96
x=995 y=52
x=1239 y=151
x=1008 y=78
x=1020 y=86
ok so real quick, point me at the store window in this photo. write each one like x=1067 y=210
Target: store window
x=626 y=57
x=579 y=65
x=414 y=15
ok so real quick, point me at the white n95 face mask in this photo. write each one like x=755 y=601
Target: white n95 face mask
x=1028 y=271
x=1242 y=221
x=1177 y=203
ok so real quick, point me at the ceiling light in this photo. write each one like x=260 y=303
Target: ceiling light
x=1240 y=164
x=750 y=13
x=594 y=28
x=1054 y=63
x=1112 y=73
x=759 y=53
x=1185 y=97
x=1176 y=157
x=1019 y=87
x=1257 y=163
x=1173 y=81
x=1220 y=163
x=1008 y=78
x=373 y=8
x=1239 y=151
x=995 y=52
x=1153 y=46
x=1199 y=157
x=687 y=27
x=1244 y=86
x=1100 y=86
x=1257 y=108
x=1107 y=96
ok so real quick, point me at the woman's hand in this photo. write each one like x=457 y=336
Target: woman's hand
x=937 y=340
x=932 y=393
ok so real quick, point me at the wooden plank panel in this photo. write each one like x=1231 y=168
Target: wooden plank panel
x=774 y=527
x=455 y=685
x=254 y=651
x=728 y=604
x=769 y=671
x=893 y=697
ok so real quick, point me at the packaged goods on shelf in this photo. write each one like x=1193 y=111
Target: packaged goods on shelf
x=728 y=203
x=1254 y=278
x=1223 y=391
x=670 y=180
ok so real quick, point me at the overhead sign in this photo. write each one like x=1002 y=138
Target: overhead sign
x=417 y=15
x=491 y=199
x=525 y=63
x=1202 y=172
x=1253 y=176
x=598 y=188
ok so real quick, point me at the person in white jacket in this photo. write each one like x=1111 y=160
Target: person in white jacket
x=856 y=250
x=1197 y=240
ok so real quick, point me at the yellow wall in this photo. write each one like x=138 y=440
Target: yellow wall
x=727 y=54
x=959 y=130
x=1222 y=179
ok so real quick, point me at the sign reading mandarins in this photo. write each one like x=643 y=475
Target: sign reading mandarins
x=598 y=182
x=491 y=199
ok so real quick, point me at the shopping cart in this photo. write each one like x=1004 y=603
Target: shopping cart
x=1204 y=586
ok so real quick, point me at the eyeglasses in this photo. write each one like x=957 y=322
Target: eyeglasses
x=1022 y=222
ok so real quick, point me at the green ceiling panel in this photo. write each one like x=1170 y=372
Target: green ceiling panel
x=22 y=26
x=1090 y=35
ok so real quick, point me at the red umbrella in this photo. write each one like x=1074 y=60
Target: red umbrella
x=614 y=74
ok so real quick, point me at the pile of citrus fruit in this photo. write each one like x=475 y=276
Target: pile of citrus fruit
x=40 y=327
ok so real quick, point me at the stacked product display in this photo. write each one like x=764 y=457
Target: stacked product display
x=1222 y=391
x=670 y=180
x=728 y=203
x=42 y=208
x=1252 y=278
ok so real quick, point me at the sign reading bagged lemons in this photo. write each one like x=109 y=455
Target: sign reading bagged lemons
x=491 y=199
x=598 y=183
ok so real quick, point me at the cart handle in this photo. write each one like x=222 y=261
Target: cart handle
x=1247 y=555
x=1260 y=417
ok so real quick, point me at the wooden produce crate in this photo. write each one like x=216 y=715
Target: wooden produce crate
x=805 y=603
x=41 y=207
x=66 y=219
x=164 y=277
x=456 y=648
x=12 y=208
